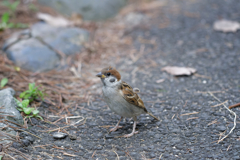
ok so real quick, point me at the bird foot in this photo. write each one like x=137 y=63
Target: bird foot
x=115 y=128
x=129 y=135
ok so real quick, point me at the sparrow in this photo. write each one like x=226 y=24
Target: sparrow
x=121 y=98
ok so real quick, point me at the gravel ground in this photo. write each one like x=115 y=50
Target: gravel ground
x=187 y=40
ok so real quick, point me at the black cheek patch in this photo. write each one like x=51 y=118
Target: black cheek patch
x=112 y=80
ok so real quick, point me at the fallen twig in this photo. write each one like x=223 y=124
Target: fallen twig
x=228 y=147
x=189 y=113
x=128 y=155
x=192 y=118
x=28 y=133
x=233 y=106
x=215 y=121
x=68 y=154
x=116 y=154
x=235 y=117
x=220 y=104
x=93 y=153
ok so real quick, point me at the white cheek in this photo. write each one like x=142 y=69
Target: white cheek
x=111 y=84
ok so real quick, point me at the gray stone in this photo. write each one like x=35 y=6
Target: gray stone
x=221 y=128
x=32 y=55
x=8 y=108
x=73 y=137
x=59 y=135
x=29 y=138
x=37 y=49
x=238 y=133
x=67 y=40
x=26 y=142
x=89 y=10
x=8 y=104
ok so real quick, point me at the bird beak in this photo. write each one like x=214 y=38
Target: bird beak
x=100 y=75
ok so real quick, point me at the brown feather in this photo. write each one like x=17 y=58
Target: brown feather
x=113 y=72
x=133 y=98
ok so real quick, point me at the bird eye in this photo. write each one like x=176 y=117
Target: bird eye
x=108 y=74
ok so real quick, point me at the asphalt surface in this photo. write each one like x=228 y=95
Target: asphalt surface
x=188 y=40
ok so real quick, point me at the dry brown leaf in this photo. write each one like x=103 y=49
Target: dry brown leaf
x=54 y=21
x=226 y=26
x=179 y=71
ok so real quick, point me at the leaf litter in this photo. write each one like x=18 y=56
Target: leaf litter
x=179 y=71
x=226 y=25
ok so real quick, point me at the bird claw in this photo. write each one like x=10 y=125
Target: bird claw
x=115 y=128
x=128 y=135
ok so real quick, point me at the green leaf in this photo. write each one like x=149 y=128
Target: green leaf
x=20 y=109
x=4 y=81
x=1 y=157
x=28 y=110
x=31 y=86
x=22 y=94
x=26 y=96
x=14 y=5
x=25 y=103
x=5 y=17
x=19 y=104
x=35 y=112
x=39 y=117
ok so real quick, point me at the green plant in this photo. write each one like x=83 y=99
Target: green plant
x=4 y=81
x=11 y=6
x=23 y=107
x=5 y=22
x=32 y=93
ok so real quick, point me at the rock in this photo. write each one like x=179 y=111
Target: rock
x=152 y=155
x=32 y=55
x=89 y=10
x=59 y=135
x=73 y=137
x=109 y=136
x=221 y=128
x=34 y=121
x=29 y=138
x=37 y=48
x=8 y=107
x=26 y=142
x=238 y=133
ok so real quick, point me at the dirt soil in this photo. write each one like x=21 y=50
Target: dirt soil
x=192 y=120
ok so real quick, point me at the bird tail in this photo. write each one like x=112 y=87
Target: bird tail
x=153 y=116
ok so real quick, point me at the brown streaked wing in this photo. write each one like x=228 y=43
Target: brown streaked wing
x=130 y=96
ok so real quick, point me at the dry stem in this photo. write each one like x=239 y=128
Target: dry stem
x=235 y=117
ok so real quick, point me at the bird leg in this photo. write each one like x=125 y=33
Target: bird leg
x=117 y=126
x=133 y=131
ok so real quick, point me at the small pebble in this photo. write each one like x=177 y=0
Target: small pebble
x=72 y=137
x=109 y=136
x=29 y=138
x=238 y=133
x=26 y=142
x=221 y=128
x=59 y=135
